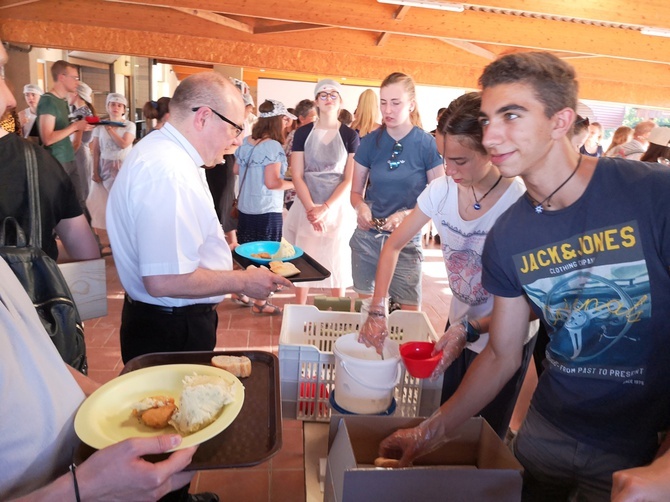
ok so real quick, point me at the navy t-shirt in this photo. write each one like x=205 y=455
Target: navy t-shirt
x=348 y=135
x=596 y=273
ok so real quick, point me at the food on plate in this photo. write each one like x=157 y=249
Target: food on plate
x=201 y=401
x=284 y=268
x=286 y=250
x=238 y=366
x=264 y=255
x=387 y=462
x=155 y=411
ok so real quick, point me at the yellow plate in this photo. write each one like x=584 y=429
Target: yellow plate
x=105 y=418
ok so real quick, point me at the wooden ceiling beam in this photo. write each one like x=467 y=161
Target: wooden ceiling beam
x=596 y=82
x=287 y=28
x=383 y=38
x=471 y=48
x=6 y=4
x=217 y=19
x=370 y=15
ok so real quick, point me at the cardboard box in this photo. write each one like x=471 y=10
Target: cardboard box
x=88 y=284
x=475 y=466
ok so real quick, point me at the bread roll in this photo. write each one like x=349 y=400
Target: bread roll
x=387 y=462
x=238 y=366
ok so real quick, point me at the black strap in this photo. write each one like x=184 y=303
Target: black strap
x=246 y=169
x=32 y=176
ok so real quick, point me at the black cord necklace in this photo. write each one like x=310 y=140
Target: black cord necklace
x=539 y=206
x=477 y=204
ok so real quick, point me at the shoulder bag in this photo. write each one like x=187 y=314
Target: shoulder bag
x=41 y=277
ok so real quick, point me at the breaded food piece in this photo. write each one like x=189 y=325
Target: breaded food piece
x=155 y=411
x=238 y=366
x=264 y=255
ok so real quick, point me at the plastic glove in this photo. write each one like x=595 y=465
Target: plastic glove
x=364 y=216
x=394 y=221
x=375 y=330
x=451 y=343
x=408 y=444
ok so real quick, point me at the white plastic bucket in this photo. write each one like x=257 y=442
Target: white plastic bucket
x=364 y=383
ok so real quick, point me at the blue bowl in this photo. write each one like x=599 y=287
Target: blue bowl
x=246 y=250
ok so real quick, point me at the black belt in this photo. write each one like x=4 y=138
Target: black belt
x=197 y=308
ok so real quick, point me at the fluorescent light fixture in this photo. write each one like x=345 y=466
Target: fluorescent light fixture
x=655 y=32
x=428 y=4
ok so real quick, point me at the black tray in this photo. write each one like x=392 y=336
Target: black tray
x=254 y=436
x=310 y=269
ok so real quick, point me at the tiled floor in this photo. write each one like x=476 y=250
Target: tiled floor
x=281 y=479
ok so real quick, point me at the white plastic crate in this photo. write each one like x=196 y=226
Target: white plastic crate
x=307 y=363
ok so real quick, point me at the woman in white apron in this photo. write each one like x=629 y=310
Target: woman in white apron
x=321 y=220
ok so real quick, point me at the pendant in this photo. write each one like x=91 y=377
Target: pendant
x=539 y=209
x=477 y=206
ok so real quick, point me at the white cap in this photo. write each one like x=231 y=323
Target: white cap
x=248 y=100
x=327 y=84
x=115 y=97
x=85 y=92
x=32 y=88
x=660 y=136
x=278 y=110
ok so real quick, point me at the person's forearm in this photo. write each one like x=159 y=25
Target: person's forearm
x=87 y=385
x=388 y=259
x=485 y=377
x=356 y=199
x=49 y=138
x=339 y=193
x=200 y=283
x=121 y=141
x=302 y=192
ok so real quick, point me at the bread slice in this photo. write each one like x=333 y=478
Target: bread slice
x=238 y=366
x=284 y=268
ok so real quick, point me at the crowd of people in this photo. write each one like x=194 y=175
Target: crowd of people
x=537 y=219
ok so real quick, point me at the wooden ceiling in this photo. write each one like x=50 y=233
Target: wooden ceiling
x=363 y=40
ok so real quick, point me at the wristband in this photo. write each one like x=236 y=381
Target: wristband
x=73 y=468
x=471 y=333
x=376 y=314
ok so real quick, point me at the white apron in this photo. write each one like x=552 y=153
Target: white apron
x=323 y=172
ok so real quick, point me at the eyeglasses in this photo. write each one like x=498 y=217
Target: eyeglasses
x=323 y=96
x=239 y=128
x=74 y=77
x=397 y=150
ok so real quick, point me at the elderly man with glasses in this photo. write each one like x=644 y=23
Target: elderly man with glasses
x=169 y=247
x=55 y=127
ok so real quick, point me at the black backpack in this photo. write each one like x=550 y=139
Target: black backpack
x=41 y=277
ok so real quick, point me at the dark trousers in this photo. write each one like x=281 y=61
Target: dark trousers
x=498 y=412
x=146 y=329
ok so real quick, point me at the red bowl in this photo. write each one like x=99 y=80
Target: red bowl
x=417 y=358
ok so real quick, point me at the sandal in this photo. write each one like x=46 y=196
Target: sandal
x=266 y=309
x=241 y=300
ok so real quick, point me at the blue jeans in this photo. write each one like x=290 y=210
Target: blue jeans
x=560 y=468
